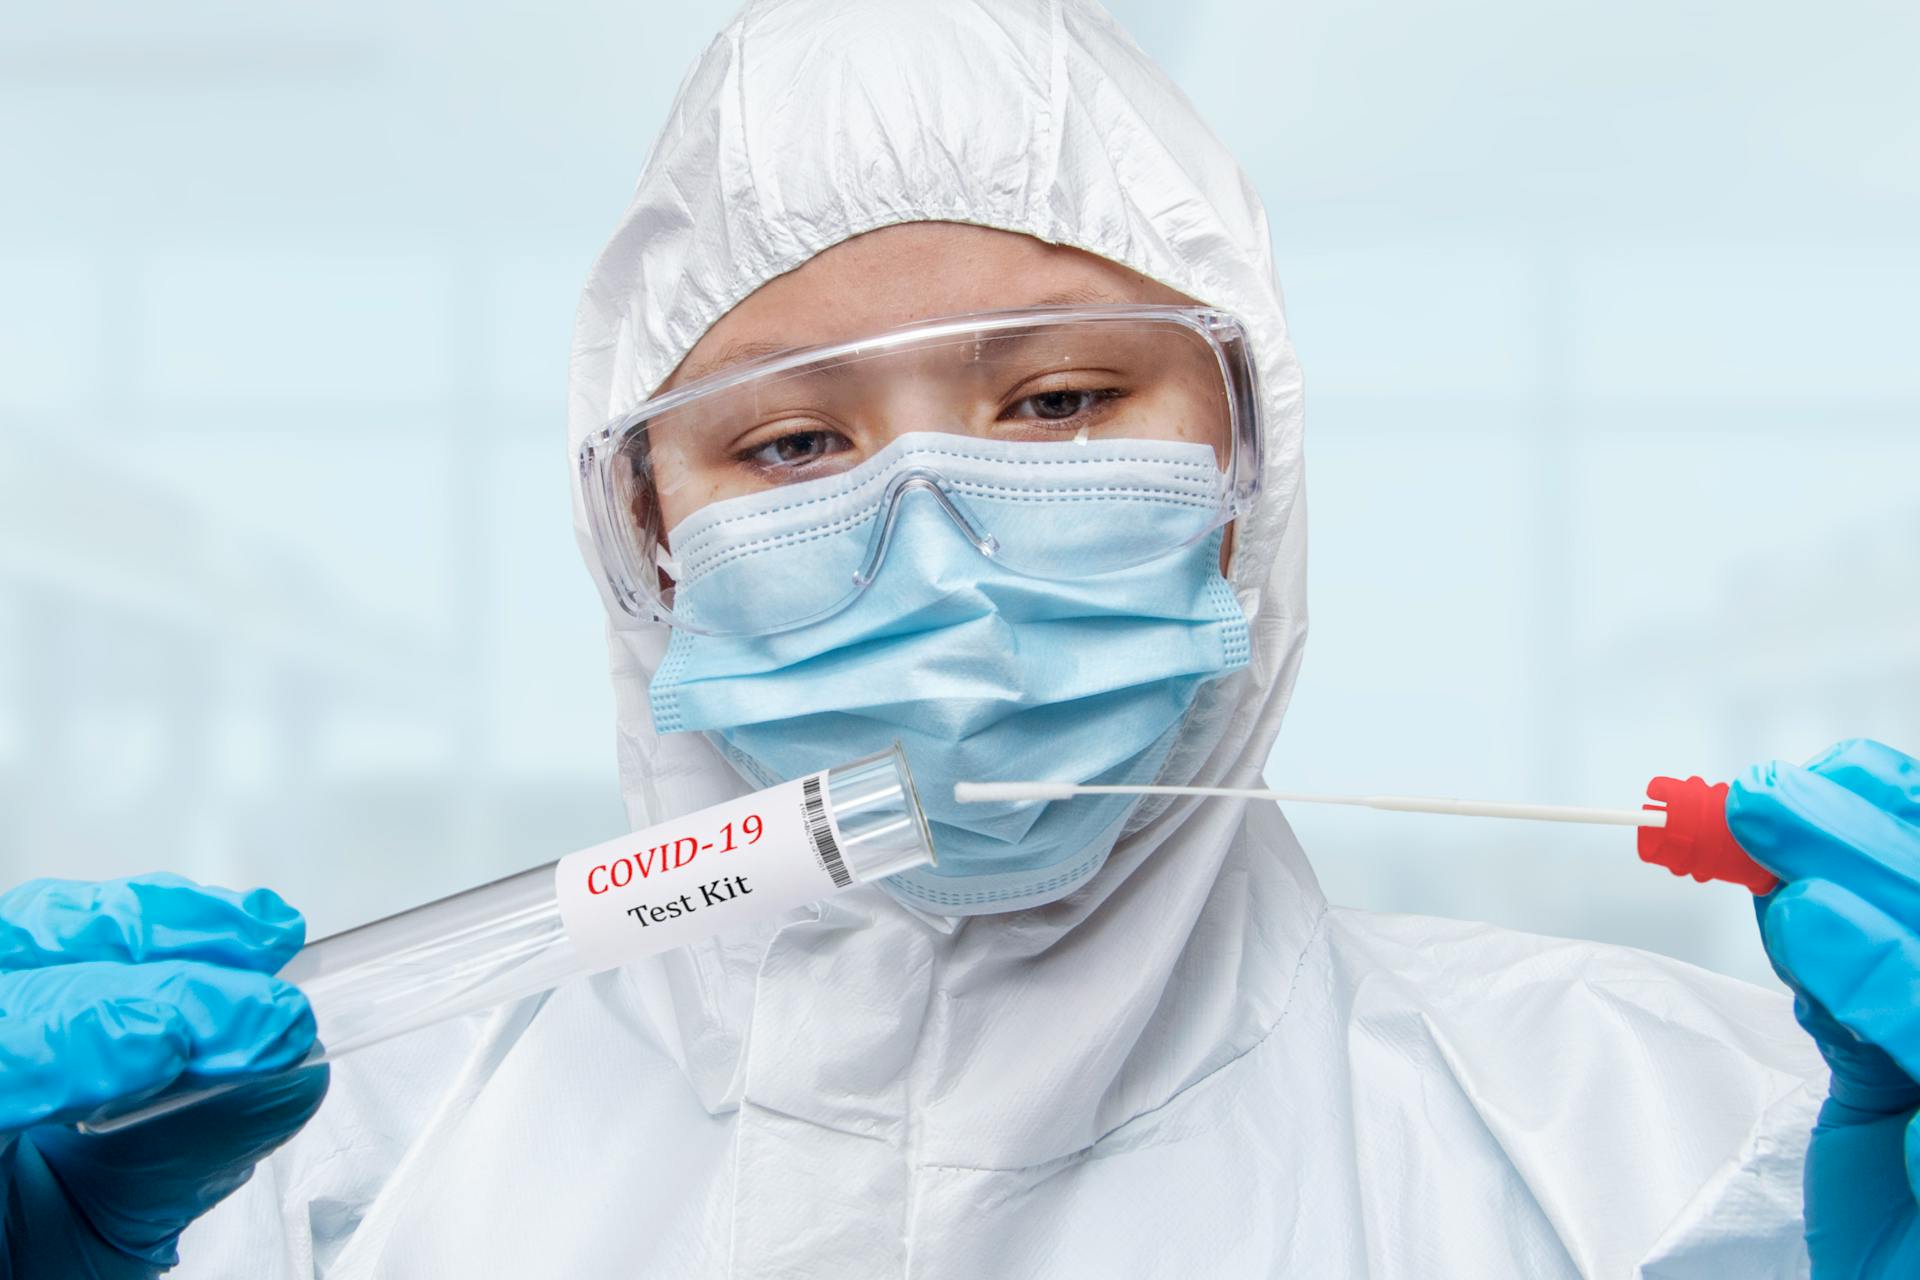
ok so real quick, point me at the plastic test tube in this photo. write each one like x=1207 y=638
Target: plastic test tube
x=634 y=896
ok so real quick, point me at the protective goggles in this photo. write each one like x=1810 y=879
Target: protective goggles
x=843 y=429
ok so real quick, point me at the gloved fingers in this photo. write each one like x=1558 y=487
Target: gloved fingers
x=159 y=916
x=74 y=1037
x=1800 y=825
x=1858 y=1204
x=139 y=1186
x=252 y=1119
x=1861 y=967
x=1874 y=771
x=1913 y=1156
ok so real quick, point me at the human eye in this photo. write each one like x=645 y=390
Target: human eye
x=792 y=450
x=1061 y=404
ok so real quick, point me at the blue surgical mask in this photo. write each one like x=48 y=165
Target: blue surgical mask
x=980 y=672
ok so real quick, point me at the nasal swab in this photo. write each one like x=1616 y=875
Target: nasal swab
x=1685 y=831
x=982 y=792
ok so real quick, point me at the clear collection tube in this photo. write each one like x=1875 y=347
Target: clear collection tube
x=640 y=894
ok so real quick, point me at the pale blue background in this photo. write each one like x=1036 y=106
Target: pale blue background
x=1606 y=310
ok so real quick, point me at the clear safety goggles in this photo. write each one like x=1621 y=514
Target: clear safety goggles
x=798 y=422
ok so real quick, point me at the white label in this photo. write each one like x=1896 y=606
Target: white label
x=695 y=876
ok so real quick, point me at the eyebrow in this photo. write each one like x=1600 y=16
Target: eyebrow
x=1077 y=297
x=728 y=355
x=734 y=353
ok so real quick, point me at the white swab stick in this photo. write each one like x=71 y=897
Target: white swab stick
x=979 y=792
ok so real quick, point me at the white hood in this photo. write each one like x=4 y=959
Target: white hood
x=806 y=123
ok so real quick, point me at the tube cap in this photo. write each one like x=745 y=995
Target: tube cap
x=1696 y=842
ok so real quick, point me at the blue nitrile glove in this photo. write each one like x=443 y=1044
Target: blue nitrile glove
x=1844 y=932
x=115 y=991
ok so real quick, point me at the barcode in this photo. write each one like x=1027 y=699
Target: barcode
x=820 y=831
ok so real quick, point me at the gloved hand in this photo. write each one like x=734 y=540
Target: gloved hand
x=1843 y=932
x=115 y=991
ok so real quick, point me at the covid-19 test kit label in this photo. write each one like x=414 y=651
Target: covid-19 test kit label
x=687 y=879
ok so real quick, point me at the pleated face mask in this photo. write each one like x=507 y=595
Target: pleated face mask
x=981 y=671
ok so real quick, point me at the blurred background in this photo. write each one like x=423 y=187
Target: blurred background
x=1607 y=314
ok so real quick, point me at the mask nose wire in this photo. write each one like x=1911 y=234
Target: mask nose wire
x=911 y=480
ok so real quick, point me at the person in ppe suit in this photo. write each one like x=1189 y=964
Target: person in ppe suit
x=974 y=273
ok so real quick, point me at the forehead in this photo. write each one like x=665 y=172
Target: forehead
x=901 y=274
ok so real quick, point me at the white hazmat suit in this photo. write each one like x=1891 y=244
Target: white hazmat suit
x=1190 y=1066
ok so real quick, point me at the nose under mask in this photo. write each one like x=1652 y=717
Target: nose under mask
x=979 y=671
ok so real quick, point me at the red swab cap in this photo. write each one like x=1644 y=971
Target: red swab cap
x=1695 y=842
